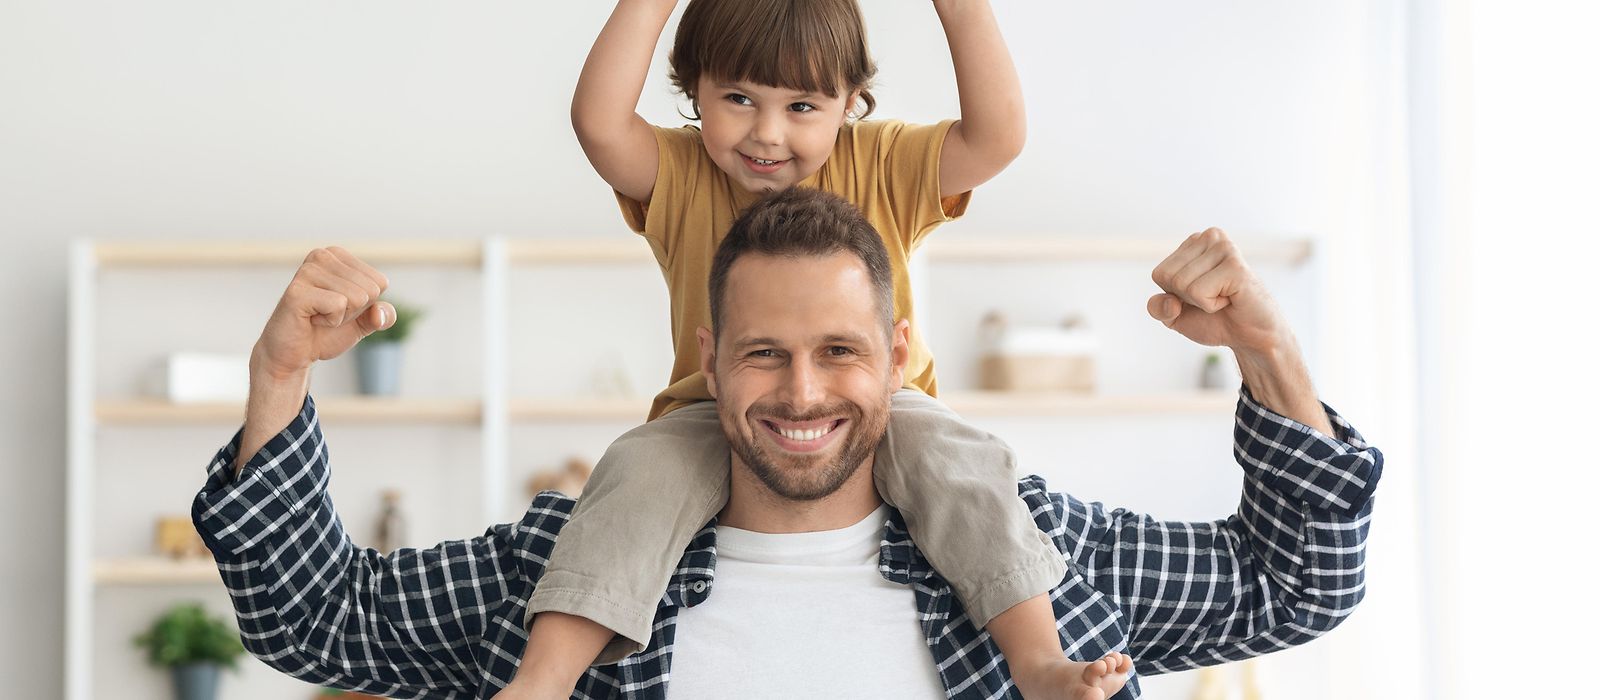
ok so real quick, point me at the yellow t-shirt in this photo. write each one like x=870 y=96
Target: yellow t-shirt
x=889 y=169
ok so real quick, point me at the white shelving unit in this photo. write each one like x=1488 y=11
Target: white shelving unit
x=495 y=412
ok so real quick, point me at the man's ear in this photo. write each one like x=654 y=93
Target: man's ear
x=900 y=352
x=708 y=358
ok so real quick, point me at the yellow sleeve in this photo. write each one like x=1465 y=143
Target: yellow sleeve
x=677 y=150
x=907 y=156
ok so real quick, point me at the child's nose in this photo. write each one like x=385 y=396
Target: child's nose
x=768 y=130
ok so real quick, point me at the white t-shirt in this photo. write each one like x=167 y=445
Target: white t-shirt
x=803 y=615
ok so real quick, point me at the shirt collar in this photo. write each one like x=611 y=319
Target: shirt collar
x=899 y=561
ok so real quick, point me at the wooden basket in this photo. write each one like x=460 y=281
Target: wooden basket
x=1073 y=373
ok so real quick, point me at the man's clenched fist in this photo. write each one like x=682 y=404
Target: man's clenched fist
x=1212 y=297
x=330 y=305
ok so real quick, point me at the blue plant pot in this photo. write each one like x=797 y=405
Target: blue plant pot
x=378 y=368
x=196 y=681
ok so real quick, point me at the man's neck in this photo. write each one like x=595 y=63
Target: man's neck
x=752 y=506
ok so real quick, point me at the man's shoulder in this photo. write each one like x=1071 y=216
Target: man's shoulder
x=1036 y=491
x=547 y=514
x=549 y=511
x=1052 y=511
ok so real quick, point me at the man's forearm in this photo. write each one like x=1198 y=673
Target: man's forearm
x=1278 y=378
x=274 y=401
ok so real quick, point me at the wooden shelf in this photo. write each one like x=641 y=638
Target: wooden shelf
x=148 y=571
x=583 y=408
x=1291 y=251
x=337 y=409
x=1031 y=404
x=416 y=252
x=969 y=248
x=470 y=411
x=213 y=253
x=971 y=403
x=578 y=251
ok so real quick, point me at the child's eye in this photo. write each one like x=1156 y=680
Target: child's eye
x=802 y=107
x=738 y=99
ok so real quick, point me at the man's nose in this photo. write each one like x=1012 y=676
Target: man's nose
x=802 y=387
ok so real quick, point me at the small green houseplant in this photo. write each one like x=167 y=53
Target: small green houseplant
x=379 y=356
x=195 y=646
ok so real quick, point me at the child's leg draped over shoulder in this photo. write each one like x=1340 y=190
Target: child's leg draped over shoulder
x=956 y=486
x=656 y=486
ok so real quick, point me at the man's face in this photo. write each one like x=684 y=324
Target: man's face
x=802 y=370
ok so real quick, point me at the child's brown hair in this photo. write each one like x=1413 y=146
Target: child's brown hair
x=809 y=45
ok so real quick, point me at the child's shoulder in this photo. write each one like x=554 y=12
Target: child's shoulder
x=878 y=134
x=871 y=127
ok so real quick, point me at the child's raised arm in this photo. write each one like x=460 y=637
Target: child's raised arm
x=993 y=125
x=618 y=142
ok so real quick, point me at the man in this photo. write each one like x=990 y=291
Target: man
x=800 y=336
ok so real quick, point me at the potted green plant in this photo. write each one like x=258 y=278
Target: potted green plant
x=378 y=356
x=195 y=646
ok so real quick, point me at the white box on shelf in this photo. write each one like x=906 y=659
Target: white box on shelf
x=1037 y=358
x=203 y=376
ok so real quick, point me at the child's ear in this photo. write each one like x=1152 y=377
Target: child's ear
x=708 y=358
x=852 y=105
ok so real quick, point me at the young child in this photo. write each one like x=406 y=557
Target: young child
x=779 y=87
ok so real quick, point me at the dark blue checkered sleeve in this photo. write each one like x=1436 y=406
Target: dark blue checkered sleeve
x=313 y=605
x=1287 y=567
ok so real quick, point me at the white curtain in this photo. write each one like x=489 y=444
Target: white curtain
x=1504 y=151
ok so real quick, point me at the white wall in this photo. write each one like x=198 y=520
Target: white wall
x=183 y=118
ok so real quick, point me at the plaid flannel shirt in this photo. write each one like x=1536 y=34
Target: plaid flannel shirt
x=446 y=622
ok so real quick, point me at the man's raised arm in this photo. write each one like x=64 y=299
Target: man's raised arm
x=1211 y=297
x=1289 y=565
x=329 y=306
x=308 y=601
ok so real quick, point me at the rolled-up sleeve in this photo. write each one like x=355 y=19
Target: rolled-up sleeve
x=311 y=604
x=1332 y=472
x=1288 y=566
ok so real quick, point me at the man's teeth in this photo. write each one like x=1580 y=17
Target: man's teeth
x=805 y=435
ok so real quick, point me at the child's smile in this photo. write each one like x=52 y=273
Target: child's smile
x=764 y=167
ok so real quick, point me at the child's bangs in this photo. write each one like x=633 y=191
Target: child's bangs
x=805 y=53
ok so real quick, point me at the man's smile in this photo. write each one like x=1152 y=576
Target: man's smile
x=804 y=436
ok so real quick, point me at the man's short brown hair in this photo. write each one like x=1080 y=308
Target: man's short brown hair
x=803 y=222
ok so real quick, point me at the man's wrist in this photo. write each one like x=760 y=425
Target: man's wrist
x=1278 y=380
x=265 y=373
x=276 y=396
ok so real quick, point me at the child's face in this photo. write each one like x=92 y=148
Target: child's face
x=767 y=138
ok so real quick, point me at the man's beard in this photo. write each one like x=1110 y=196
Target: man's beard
x=799 y=477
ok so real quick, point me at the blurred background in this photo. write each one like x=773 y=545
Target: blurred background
x=1415 y=181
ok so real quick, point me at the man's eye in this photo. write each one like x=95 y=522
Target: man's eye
x=763 y=353
x=840 y=351
x=738 y=99
x=802 y=107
